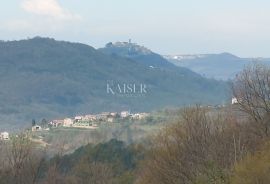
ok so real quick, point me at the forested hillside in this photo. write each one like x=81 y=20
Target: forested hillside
x=44 y=78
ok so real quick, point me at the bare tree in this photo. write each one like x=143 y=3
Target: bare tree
x=22 y=163
x=202 y=143
x=252 y=90
x=93 y=172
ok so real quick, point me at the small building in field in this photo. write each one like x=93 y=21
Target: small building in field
x=4 y=136
x=36 y=128
x=234 y=101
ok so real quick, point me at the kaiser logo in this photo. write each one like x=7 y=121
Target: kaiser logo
x=126 y=89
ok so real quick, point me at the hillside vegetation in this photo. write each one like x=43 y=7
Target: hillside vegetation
x=200 y=145
x=44 y=78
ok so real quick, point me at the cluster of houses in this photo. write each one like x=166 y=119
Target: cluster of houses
x=4 y=136
x=91 y=121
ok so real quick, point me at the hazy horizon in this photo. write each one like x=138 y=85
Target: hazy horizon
x=171 y=27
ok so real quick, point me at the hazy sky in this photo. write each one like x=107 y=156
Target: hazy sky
x=241 y=27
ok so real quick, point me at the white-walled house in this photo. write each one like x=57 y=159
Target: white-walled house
x=4 y=136
x=36 y=128
x=135 y=116
x=124 y=114
x=78 y=118
x=143 y=115
x=89 y=117
x=139 y=116
x=113 y=114
x=68 y=122
x=56 y=123
x=110 y=119
x=234 y=101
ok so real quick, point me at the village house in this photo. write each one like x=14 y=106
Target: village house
x=78 y=118
x=103 y=116
x=124 y=114
x=56 y=123
x=110 y=119
x=36 y=128
x=4 y=136
x=135 y=116
x=143 y=115
x=68 y=122
x=89 y=117
x=234 y=101
x=139 y=116
x=84 y=124
x=113 y=114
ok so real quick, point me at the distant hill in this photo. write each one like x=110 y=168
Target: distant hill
x=218 y=66
x=45 y=78
x=136 y=52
